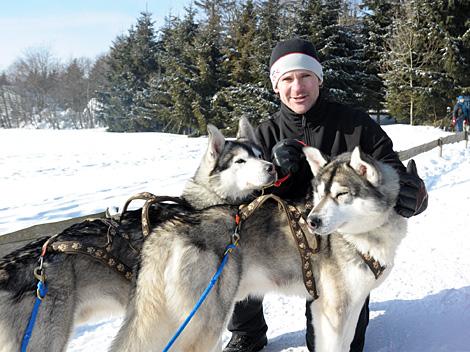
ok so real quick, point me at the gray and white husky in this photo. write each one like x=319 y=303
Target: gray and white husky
x=354 y=200
x=354 y=214
x=230 y=171
x=81 y=288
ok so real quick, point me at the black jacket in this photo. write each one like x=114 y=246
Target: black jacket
x=332 y=128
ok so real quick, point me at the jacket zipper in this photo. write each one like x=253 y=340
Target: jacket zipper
x=308 y=138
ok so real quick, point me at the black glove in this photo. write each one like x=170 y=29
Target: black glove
x=412 y=198
x=287 y=156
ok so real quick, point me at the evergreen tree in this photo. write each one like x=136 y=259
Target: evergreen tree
x=272 y=27
x=132 y=64
x=310 y=21
x=452 y=16
x=177 y=89
x=117 y=97
x=336 y=34
x=378 y=16
x=241 y=48
x=416 y=79
x=144 y=67
x=246 y=95
x=208 y=59
x=73 y=92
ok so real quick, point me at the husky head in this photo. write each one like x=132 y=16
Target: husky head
x=352 y=194
x=230 y=171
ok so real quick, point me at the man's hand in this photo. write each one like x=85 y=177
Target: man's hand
x=287 y=156
x=412 y=198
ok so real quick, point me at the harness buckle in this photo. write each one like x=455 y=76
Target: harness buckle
x=39 y=273
x=235 y=237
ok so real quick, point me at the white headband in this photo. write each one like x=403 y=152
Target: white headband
x=295 y=61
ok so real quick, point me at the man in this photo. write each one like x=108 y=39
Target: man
x=460 y=115
x=296 y=75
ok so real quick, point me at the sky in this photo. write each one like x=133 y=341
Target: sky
x=424 y=305
x=72 y=28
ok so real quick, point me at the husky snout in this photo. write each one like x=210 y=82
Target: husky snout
x=314 y=222
x=270 y=169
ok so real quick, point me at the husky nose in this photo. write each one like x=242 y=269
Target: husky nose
x=270 y=168
x=314 y=221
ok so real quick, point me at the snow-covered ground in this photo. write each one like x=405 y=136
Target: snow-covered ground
x=424 y=305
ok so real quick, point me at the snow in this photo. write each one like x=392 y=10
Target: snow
x=424 y=305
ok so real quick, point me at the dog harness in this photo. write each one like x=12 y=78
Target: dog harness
x=104 y=253
x=299 y=229
x=108 y=252
x=373 y=264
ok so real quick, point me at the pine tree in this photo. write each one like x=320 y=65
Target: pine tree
x=241 y=46
x=177 y=89
x=272 y=28
x=335 y=32
x=132 y=64
x=416 y=79
x=144 y=67
x=73 y=92
x=452 y=16
x=310 y=23
x=208 y=59
x=378 y=16
x=244 y=95
x=117 y=97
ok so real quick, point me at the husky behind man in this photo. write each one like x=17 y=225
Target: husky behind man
x=80 y=287
x=354 y=214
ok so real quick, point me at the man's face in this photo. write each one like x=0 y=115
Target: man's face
x=299 y=90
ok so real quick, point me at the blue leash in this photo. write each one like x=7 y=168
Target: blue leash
x=40 y=294
x=204 y=295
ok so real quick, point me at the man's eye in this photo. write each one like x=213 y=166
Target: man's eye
x=240 y=161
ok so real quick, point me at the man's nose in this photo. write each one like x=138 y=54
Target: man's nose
x=297 y=84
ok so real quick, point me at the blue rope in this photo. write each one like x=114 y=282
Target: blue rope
x=202 y=298
x=41 y=293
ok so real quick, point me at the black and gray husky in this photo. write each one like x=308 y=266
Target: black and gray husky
x=360 y=232
x=79 y=287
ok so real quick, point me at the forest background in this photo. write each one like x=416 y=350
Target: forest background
x=407 y=58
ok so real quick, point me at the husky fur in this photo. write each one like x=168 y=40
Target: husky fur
x=354 y=196
x=230 y=171
x=81 y=288
x=354 y=199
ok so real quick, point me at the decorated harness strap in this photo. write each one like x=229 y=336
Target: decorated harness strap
x=299 y=229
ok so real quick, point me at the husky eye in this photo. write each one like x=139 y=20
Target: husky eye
x=240 y=161
x=341 y=195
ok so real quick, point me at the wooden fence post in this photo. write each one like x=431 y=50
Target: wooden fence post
x=439 y=144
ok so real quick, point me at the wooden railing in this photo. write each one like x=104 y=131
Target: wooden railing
x=10 y=241
x=453 y=138
x=13 y=240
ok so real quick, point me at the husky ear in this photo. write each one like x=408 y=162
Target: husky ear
x=216 y=143
x=363 y=168
x=246 y=131
x=315 y=159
